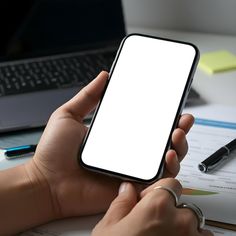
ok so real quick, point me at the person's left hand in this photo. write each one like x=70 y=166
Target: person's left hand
x=73 y=190
x=151 y=213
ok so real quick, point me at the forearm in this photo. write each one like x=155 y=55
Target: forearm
x=24 y=200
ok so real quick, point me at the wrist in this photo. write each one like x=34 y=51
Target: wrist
x=25 y=199
x=45 y=206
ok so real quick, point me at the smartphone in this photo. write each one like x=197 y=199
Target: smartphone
x=131 y=129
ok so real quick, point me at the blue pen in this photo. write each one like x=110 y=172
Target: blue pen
x=16 y=152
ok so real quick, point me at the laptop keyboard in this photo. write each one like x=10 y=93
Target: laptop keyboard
x=54 y=72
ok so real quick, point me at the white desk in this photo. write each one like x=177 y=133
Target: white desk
x=218 y=88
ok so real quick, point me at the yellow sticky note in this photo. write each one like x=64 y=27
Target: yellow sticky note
x=218 y=61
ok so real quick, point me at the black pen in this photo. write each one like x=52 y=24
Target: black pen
x=217 y=157
x=16 y=152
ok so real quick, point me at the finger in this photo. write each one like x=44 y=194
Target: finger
x=86 y=100
x=186 y=122
x=122 y=204
x=158 y=202
x=179 y=143
x=187 y=217
x=167 y=182
x=172 y=165
x=189 y=222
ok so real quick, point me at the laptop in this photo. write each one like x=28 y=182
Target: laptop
x=49 y=50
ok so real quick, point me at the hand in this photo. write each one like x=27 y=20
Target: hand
x=155 y=214
x=75 y=191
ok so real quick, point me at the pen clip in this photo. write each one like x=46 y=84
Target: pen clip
x=227 y=149
x=213 y=166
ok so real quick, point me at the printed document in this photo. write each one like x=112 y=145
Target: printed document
x=214 y=192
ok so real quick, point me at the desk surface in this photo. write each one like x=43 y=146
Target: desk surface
x=218 y=88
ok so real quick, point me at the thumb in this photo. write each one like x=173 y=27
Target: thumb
x=122 y=204
x=86 y=100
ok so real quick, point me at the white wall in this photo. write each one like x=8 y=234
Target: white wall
x=212 y=16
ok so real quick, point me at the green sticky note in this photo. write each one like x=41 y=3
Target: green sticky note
x=218 y=61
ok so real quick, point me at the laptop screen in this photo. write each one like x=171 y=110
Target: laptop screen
x=39 y=27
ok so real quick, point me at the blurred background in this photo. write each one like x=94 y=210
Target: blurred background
x=208 y=16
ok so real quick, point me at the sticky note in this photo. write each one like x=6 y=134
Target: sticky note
x=217 y=61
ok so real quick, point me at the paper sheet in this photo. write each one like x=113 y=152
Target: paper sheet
x=220 y=232
x=214 y=192
x=69 y=227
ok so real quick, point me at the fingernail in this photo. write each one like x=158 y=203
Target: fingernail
x=123 y=187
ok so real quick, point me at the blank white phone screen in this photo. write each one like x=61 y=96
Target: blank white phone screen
x=131 y=129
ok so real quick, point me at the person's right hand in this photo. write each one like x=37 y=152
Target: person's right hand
x=155 y=214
